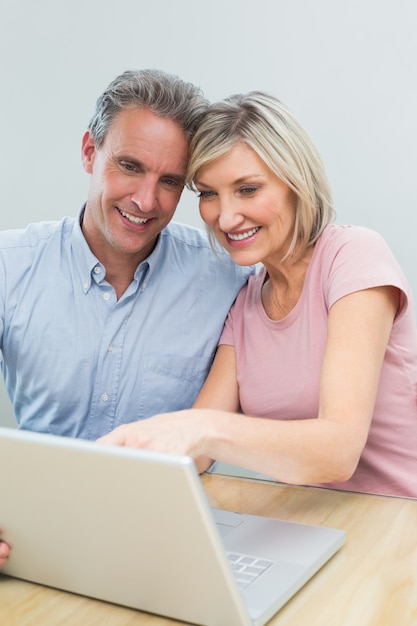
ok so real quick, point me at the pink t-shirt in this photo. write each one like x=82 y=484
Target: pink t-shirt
x=279 y=362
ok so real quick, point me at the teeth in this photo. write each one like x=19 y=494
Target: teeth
x=133 y=219
x=240 y=236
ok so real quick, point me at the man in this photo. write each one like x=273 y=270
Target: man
x=114 y=316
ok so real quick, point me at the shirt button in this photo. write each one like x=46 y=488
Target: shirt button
x=110 y=348
x=106 y=296
x=97 y=269
x=104 y=397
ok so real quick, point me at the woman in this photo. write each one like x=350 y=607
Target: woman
x=320 y=346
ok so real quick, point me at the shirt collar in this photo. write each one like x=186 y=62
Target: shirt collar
x=86 y=261
x=151 y=262
x=83 y=257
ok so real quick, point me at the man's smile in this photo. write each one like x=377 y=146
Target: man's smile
x=133 y=218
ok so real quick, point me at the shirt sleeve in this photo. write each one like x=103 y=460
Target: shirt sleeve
x=363 y=260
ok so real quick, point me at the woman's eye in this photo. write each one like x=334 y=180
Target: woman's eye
x=205 y=194
x=248 y=190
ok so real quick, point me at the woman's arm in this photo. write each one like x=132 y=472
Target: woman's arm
x=326 y=447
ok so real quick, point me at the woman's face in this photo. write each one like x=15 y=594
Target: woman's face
x=250 y=209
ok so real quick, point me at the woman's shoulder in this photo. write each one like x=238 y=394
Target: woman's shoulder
x=352 y=258
x=340 y=234
x=352 y=242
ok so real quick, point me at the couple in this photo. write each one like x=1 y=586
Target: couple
x=314 y=380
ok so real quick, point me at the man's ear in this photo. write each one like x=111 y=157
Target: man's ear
x=88 y=150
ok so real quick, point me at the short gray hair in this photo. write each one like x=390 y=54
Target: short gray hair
x=264 y=124
x=164 y=94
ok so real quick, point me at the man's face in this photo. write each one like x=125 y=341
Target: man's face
x=137 y=176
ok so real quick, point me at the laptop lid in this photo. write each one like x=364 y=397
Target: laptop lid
x=134 y=528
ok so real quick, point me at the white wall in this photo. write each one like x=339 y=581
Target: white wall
x=347 y=70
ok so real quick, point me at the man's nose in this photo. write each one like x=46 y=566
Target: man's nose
x=145 y=196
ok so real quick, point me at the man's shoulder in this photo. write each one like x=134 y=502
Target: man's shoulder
x=184 y=234
x=33 y=234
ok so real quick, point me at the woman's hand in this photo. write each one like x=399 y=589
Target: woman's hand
x=4 y=553
x=180 y=432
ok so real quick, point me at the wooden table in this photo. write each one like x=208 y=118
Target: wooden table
x=371 y=581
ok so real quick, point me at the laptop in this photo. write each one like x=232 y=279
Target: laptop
x=135 y=528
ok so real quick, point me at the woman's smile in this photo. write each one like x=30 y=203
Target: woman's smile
x=250 y=209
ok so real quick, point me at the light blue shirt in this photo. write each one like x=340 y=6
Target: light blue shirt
x=76 y=361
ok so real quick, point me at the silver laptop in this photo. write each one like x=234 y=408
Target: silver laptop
x=135 y=528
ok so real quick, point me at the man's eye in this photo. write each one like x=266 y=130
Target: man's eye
x=128 y=166
x=171 y=182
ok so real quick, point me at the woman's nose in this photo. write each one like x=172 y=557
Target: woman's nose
x=229 y=216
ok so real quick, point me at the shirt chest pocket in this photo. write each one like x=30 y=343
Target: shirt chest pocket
x=170 y=383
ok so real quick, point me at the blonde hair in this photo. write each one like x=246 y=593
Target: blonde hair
x=264 y=124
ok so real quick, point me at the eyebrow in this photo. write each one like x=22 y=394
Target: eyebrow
x=238 y=181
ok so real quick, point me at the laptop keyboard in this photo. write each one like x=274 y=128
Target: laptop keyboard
x=247 y=568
